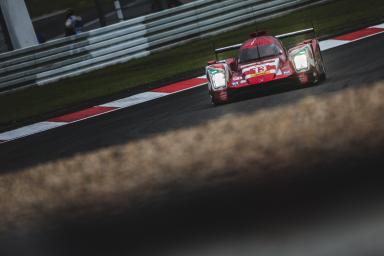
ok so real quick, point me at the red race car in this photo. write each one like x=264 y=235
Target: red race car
x=263 y=61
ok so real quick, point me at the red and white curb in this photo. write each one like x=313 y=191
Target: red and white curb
x=101 y=109
x=351 y=37
x=158 y=93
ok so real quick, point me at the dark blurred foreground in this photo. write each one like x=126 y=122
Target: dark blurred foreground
x=335 y=209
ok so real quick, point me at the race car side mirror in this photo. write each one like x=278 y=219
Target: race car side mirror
x=211 y=62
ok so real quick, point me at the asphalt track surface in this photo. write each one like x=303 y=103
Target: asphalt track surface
x=350 y=65
x=186 y=227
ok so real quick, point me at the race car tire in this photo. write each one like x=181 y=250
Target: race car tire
x=319 y=76
x=315 y=78
x=323 y=74
x=323 y=77
x=215 y=102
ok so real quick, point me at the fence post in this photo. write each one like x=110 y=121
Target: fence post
x=119 y=12
x=19 y=24
x=5 y=33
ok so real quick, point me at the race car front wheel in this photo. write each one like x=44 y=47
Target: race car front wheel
x=214 y=101
x=219 y=98
x=323 y=73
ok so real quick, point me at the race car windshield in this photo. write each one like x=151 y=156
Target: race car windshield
x=258 y=52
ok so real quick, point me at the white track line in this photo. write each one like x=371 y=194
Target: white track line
x=29 y=130
x=135 y=99
x=329 y=44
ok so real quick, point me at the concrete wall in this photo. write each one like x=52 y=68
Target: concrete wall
x=19 y=23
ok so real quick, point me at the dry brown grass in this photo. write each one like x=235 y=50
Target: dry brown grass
x=249 y=147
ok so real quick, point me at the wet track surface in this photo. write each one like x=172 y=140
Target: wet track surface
x=321 y=216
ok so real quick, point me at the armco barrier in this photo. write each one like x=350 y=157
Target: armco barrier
x=124 y=41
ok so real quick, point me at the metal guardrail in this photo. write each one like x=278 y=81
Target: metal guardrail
x=135 y=38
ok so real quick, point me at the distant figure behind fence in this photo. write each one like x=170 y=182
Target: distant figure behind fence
x=73 y=23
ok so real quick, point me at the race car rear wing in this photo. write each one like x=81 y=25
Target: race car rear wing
x=291 y=34
x=296 y=33
x=228 y=48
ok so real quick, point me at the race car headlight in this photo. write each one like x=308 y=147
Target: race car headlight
x=301 y=61
x=218 y=80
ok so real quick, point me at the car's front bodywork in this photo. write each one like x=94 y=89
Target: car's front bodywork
x=261 y=61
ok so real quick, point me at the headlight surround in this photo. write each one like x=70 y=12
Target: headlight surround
x=301 y=61
x=218 y=78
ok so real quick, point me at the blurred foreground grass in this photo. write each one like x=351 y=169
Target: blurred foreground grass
x=293 y=140
x=30 y=104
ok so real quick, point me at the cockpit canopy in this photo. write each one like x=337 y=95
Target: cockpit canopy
x=260 y=48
